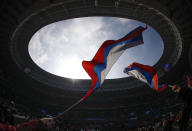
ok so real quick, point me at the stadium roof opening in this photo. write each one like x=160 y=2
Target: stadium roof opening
x=60 y=48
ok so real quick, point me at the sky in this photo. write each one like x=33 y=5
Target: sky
x=59 y=48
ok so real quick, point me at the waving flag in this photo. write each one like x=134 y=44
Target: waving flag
x=108 y=54
x=145 y=74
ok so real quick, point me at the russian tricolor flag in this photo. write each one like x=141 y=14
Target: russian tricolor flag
x=145 y=74
x=108 y=54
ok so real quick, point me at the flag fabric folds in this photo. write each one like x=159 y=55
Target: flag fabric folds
x=146 y=74
x=108 y=54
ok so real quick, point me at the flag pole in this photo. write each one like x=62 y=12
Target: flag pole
x=69 y=108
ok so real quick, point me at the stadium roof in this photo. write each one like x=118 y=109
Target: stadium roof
x=38 y=89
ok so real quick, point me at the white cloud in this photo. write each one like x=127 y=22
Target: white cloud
x=42 y=59
x=36 y=50
x=124 y=20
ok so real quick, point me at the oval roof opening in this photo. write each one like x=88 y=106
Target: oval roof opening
x=59 y=48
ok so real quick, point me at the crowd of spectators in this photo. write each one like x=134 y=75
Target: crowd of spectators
x=167 y=124
x=180 y=121
x=7 y=109
x=8 y=112
x=96 y=126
